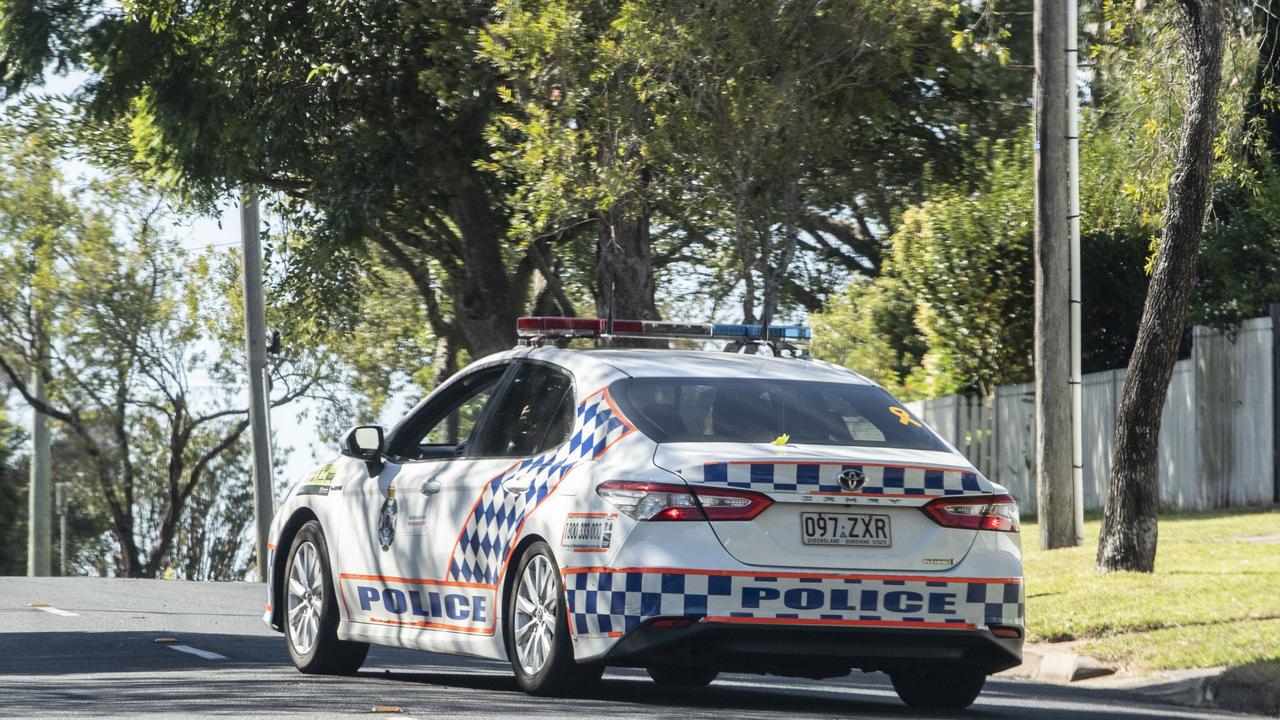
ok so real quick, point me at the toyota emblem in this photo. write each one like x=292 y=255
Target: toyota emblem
x=853 y=479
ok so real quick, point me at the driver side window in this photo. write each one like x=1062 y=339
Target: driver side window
x=455 y=428
x=443 y=428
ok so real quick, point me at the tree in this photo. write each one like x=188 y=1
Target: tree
x=765 y=147
x=1128 y=537
x=871 y=328
x=956 y=281
x=795 y=125
x=968 y=276
x=13 y=556
x=141 y=342
x=575 y=144
x=369 y=119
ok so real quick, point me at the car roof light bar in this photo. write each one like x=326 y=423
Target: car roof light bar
x=543 y=326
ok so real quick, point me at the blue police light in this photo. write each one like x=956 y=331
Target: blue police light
x=747 y=332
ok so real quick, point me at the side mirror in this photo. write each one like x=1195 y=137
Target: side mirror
x=363 y=442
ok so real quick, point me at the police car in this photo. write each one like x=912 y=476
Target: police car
x=685 y=512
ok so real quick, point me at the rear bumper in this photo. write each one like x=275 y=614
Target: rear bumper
x=811 y=651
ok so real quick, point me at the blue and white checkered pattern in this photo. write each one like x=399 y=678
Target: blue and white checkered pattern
x=824 y=477
x=1001 y=604
x=611 y=603
x=487 y=538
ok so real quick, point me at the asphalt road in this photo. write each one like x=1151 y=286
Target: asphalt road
x=92 y=652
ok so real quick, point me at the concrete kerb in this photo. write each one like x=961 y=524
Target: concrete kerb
x=1057 y=664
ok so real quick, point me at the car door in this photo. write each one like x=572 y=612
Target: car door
x=399 y=508
x=506 y=470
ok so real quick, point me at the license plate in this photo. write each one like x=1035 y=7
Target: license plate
x=861 y=529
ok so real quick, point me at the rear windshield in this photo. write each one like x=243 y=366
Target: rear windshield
x=750 y=410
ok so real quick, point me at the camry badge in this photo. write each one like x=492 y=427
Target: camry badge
x=852 y=479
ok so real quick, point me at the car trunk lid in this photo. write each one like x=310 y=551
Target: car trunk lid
x=873 y=521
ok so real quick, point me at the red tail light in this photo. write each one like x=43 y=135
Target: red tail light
x=671 y=501
x=986 y=512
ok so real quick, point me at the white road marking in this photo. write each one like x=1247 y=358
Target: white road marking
x=55 y=611
x=197 y=652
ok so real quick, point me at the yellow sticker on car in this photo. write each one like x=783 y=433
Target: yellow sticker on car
x=904 y=417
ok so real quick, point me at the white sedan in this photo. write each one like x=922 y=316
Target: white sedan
x=686 y=512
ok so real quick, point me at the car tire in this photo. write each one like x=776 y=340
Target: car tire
x=682 y=676
x=938 y=687
x=311 y=610
x=537 y=630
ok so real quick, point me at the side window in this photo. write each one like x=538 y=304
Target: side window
x=456 y=427
x=534 y=415
x=443 y=428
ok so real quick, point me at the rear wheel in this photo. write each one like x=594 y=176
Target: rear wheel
x=682 y=676
x=537 y=630
x=938 y=687
x=311 y=610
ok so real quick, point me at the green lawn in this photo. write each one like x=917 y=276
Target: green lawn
x=1214 y=598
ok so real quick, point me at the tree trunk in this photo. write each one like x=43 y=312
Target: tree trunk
x=773 y=276
x=745 y=259
x=624 y=261
x=1128 y=537
x=130 y=556
x=484 y=306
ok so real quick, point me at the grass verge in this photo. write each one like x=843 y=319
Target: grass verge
x=1214 y=598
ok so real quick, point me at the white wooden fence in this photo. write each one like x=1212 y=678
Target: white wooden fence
x=1216 y=434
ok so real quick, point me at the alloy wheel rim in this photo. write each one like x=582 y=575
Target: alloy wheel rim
x=535 y=616
x=305 y=597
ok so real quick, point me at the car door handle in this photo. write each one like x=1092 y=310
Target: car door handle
x=430 y=487
x=516 y=486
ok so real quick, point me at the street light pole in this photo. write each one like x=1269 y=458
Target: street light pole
x=255 y=324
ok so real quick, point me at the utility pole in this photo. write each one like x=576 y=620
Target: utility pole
x=1073 y=219
x=62 y=495
x=1054 y=440
x=255 y=333
x=39 y=501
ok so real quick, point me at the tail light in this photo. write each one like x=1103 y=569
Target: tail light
x=669 y=501
x=998 y=513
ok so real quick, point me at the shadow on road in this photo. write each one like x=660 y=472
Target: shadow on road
x=128 y=674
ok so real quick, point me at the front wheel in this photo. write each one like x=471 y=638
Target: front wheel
x=311 y=611
x=537 y=630
x=938 y=687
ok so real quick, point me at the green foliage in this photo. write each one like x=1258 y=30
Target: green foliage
x=1139 y=84
x=13 y=527
x=871 y=328
x=1239 y=271
x=955 y=292
x=772 y=141
x=366 y=120
x=966 y=258
x=962 y=255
